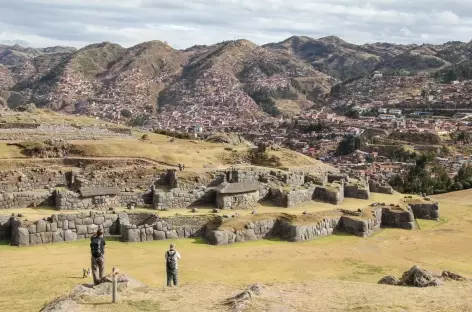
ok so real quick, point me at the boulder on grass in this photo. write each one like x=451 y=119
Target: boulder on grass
x=418 y=277
x=389 y=280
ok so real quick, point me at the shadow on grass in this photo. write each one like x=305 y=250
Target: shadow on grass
x=199 y=241
x=4 y=243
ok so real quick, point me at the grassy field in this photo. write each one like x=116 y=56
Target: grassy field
x=336 y=273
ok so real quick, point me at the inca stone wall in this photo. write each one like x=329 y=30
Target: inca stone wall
x=398 y=218
x=362 y=227
x=329 y=194
x=68 y=200
x=177 y=198
x=237 y=201
x=26 y=199
x=155 y=228
x=252 y=231
x=297 y=197
x=425 y=211
x=63 y=227
x=377 y=187
x=296 y=233
x=356 y=191
x=37 y=178
x=337 y=178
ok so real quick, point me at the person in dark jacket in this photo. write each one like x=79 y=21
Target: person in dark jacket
x=97 y=247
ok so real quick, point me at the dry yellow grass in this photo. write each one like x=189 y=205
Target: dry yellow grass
x=336 y=273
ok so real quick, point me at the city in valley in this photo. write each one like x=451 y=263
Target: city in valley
x=298 y=175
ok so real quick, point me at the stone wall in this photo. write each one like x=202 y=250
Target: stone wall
x=297 y=197
x=330 y=194
x=237 y=201
x=337 y=178
x=362 y=227
x=63 y=227
x=377 y=187
x=356 y=191
x=163 y=228
x=398 y=218
x=294 y=178
x=67 y=200
x=296 y=233
x=28 y=180
x=425 y=211
x=26 y=199
x=178 y=198
x=252 y=231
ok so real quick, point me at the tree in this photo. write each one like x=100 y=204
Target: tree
x=349 y=144
x=450 y=76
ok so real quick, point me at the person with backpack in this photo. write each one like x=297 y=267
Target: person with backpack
x=172 y=256
x=97 y=246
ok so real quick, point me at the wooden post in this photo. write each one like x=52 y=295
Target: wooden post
x=115 y=286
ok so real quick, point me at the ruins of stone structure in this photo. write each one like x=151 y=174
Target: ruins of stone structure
x=169 y=189
x=140 y=227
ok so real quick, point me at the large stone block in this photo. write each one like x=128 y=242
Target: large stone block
x=69 y=236
x=249 y=235
x=32 y=228
x=79 y=221
x=88 y=221
x=71 y=224
x=58 y=236
x=180 y=233
x=35 y=239
x=133 y=235
x=172 y=234
x=108 y=223
x=65 y=225
x=158 y=226
x=41 y=226
x=23 y=237
x=71 y=217
x=81 y=229
x=92 y=228
x=53 y=227
x=99 y=220
x=159 y=235
x=46 y=237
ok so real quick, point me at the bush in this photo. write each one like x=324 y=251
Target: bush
x=126 y=113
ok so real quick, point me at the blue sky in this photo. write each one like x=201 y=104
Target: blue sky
x=186 y=23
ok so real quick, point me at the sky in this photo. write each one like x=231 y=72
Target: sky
x=184 y=23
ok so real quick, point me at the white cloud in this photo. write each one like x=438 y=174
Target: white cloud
x=185 y=23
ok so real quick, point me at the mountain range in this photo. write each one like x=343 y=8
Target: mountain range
x=235 y=78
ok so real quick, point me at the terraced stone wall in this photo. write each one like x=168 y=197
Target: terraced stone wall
x=426 y=211
x=377 y=187
x=26 y=199
x=178 y=198
x=63 y=227
x=151 y=227
x=356 y=191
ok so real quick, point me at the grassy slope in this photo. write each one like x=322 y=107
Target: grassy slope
x=194 y=154
x=210 y=273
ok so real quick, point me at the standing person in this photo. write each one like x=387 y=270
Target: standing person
x=97 y=246
x=172 y=256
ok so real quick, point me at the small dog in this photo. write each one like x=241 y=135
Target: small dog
x=86 y=273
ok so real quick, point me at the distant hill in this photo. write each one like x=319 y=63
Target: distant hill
x=235 y=79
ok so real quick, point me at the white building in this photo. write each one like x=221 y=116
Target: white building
x=395 y=111
x=382 y=110
x=386 y=117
